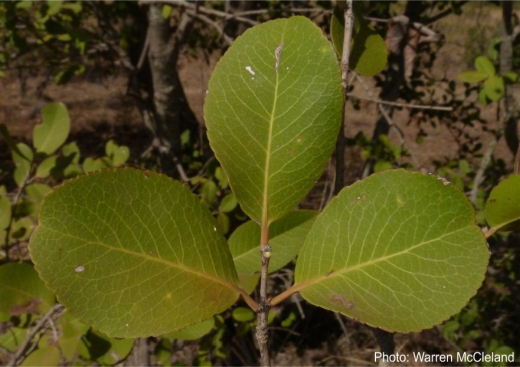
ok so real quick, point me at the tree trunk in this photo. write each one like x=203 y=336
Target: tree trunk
x=171 y=110
x=511 y=106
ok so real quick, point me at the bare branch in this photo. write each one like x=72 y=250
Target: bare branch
x=405 y=105
x=228 y=40
x=41 y=325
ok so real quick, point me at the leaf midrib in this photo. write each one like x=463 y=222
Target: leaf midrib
x=265 y=201
x=154 y=259
x=304 y=284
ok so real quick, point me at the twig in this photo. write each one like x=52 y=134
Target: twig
x=228 y=40
x=479 y=176
x=41 y=325
x=345 y=56
x=405 y=105
x=207 y=11
x=490 y=232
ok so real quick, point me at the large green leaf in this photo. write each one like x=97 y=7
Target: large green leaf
x=273 y=121
x=503 y=205
x=398 y=250
x=53 y=131
x=133 y=253
x=23 y=291
x=368 y=54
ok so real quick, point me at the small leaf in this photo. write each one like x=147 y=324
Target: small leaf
x=223 y=222
x=54 y=130
x=72 y=150
x=368 y=55
x=44 y=169
x=484 y=65
x=286 y=237
x=228 y=203
x=510 y=77
x=5 y=212
x=10 y=142
x=99 y=347
x=112 y=243
x=209 y=192
x=192 y=332
x=273 y=112
x=472 y=76
x=37 y=191
x=91 y=165
x=399 y=251
x=494 y=88
x=503 y=205
x=23 y=292
x=243 y=314
x=22 y=162
x=121 y=155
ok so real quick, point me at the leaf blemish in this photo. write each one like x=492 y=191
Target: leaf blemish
x=277 y=55
x=493 y=201
x=341 y=300
x=248 y=68
x=329 y=273
x=80 y=269
x=359 y=198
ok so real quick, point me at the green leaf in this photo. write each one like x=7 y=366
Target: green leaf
x=44 y=169
x=209 y=192
x=494 y=88
x=243 y=314
x=193 y=332
x=223 y=222
x=166 y=11
x=503 y=205
x=47 y=354
x=22 y=162
x=484 y=65
x=228 y=203
x=510 y=77
x=472 y=76
x=23 y=292
x=286 y=237
x=121 y=155
x=54 y=130
x=107 y=351
x=72 y=149
x=5 y=212
x=37 y=191
x=398 y=250
x=368 y=55
x=273 y=131
x=12 y=338
x=91 y=165
x=112 y=243
x=10 y=142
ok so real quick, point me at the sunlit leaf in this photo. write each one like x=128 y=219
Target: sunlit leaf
x=54 y=129
x=133 y=253
x=484 y=65
x=398 y=250
x=272 y=121
x=472 y=76
x=503 y=205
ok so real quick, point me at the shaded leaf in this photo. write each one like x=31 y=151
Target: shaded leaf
x=193 y=332
x=22 y=290
x=494 y=88
x=368 y=55
x=5 y=212
x=228 y=203
x=243 y=314
x=272 y=121
x=286 y=237
x=22 y=162
x=10 y=142
x=54 y=129
x=91 y=165
x=37 y=191
x=398 y=250
x=503 y=205
x=112 y=243
x=45 y=167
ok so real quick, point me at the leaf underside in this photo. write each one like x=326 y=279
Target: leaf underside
x=398 y=250
x=133 y=253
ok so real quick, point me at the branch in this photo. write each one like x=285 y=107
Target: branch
x=405 y=105
x=345 y=57
x=228 y=40
x=479 y=176
x=207 y=11
x=41 y=325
